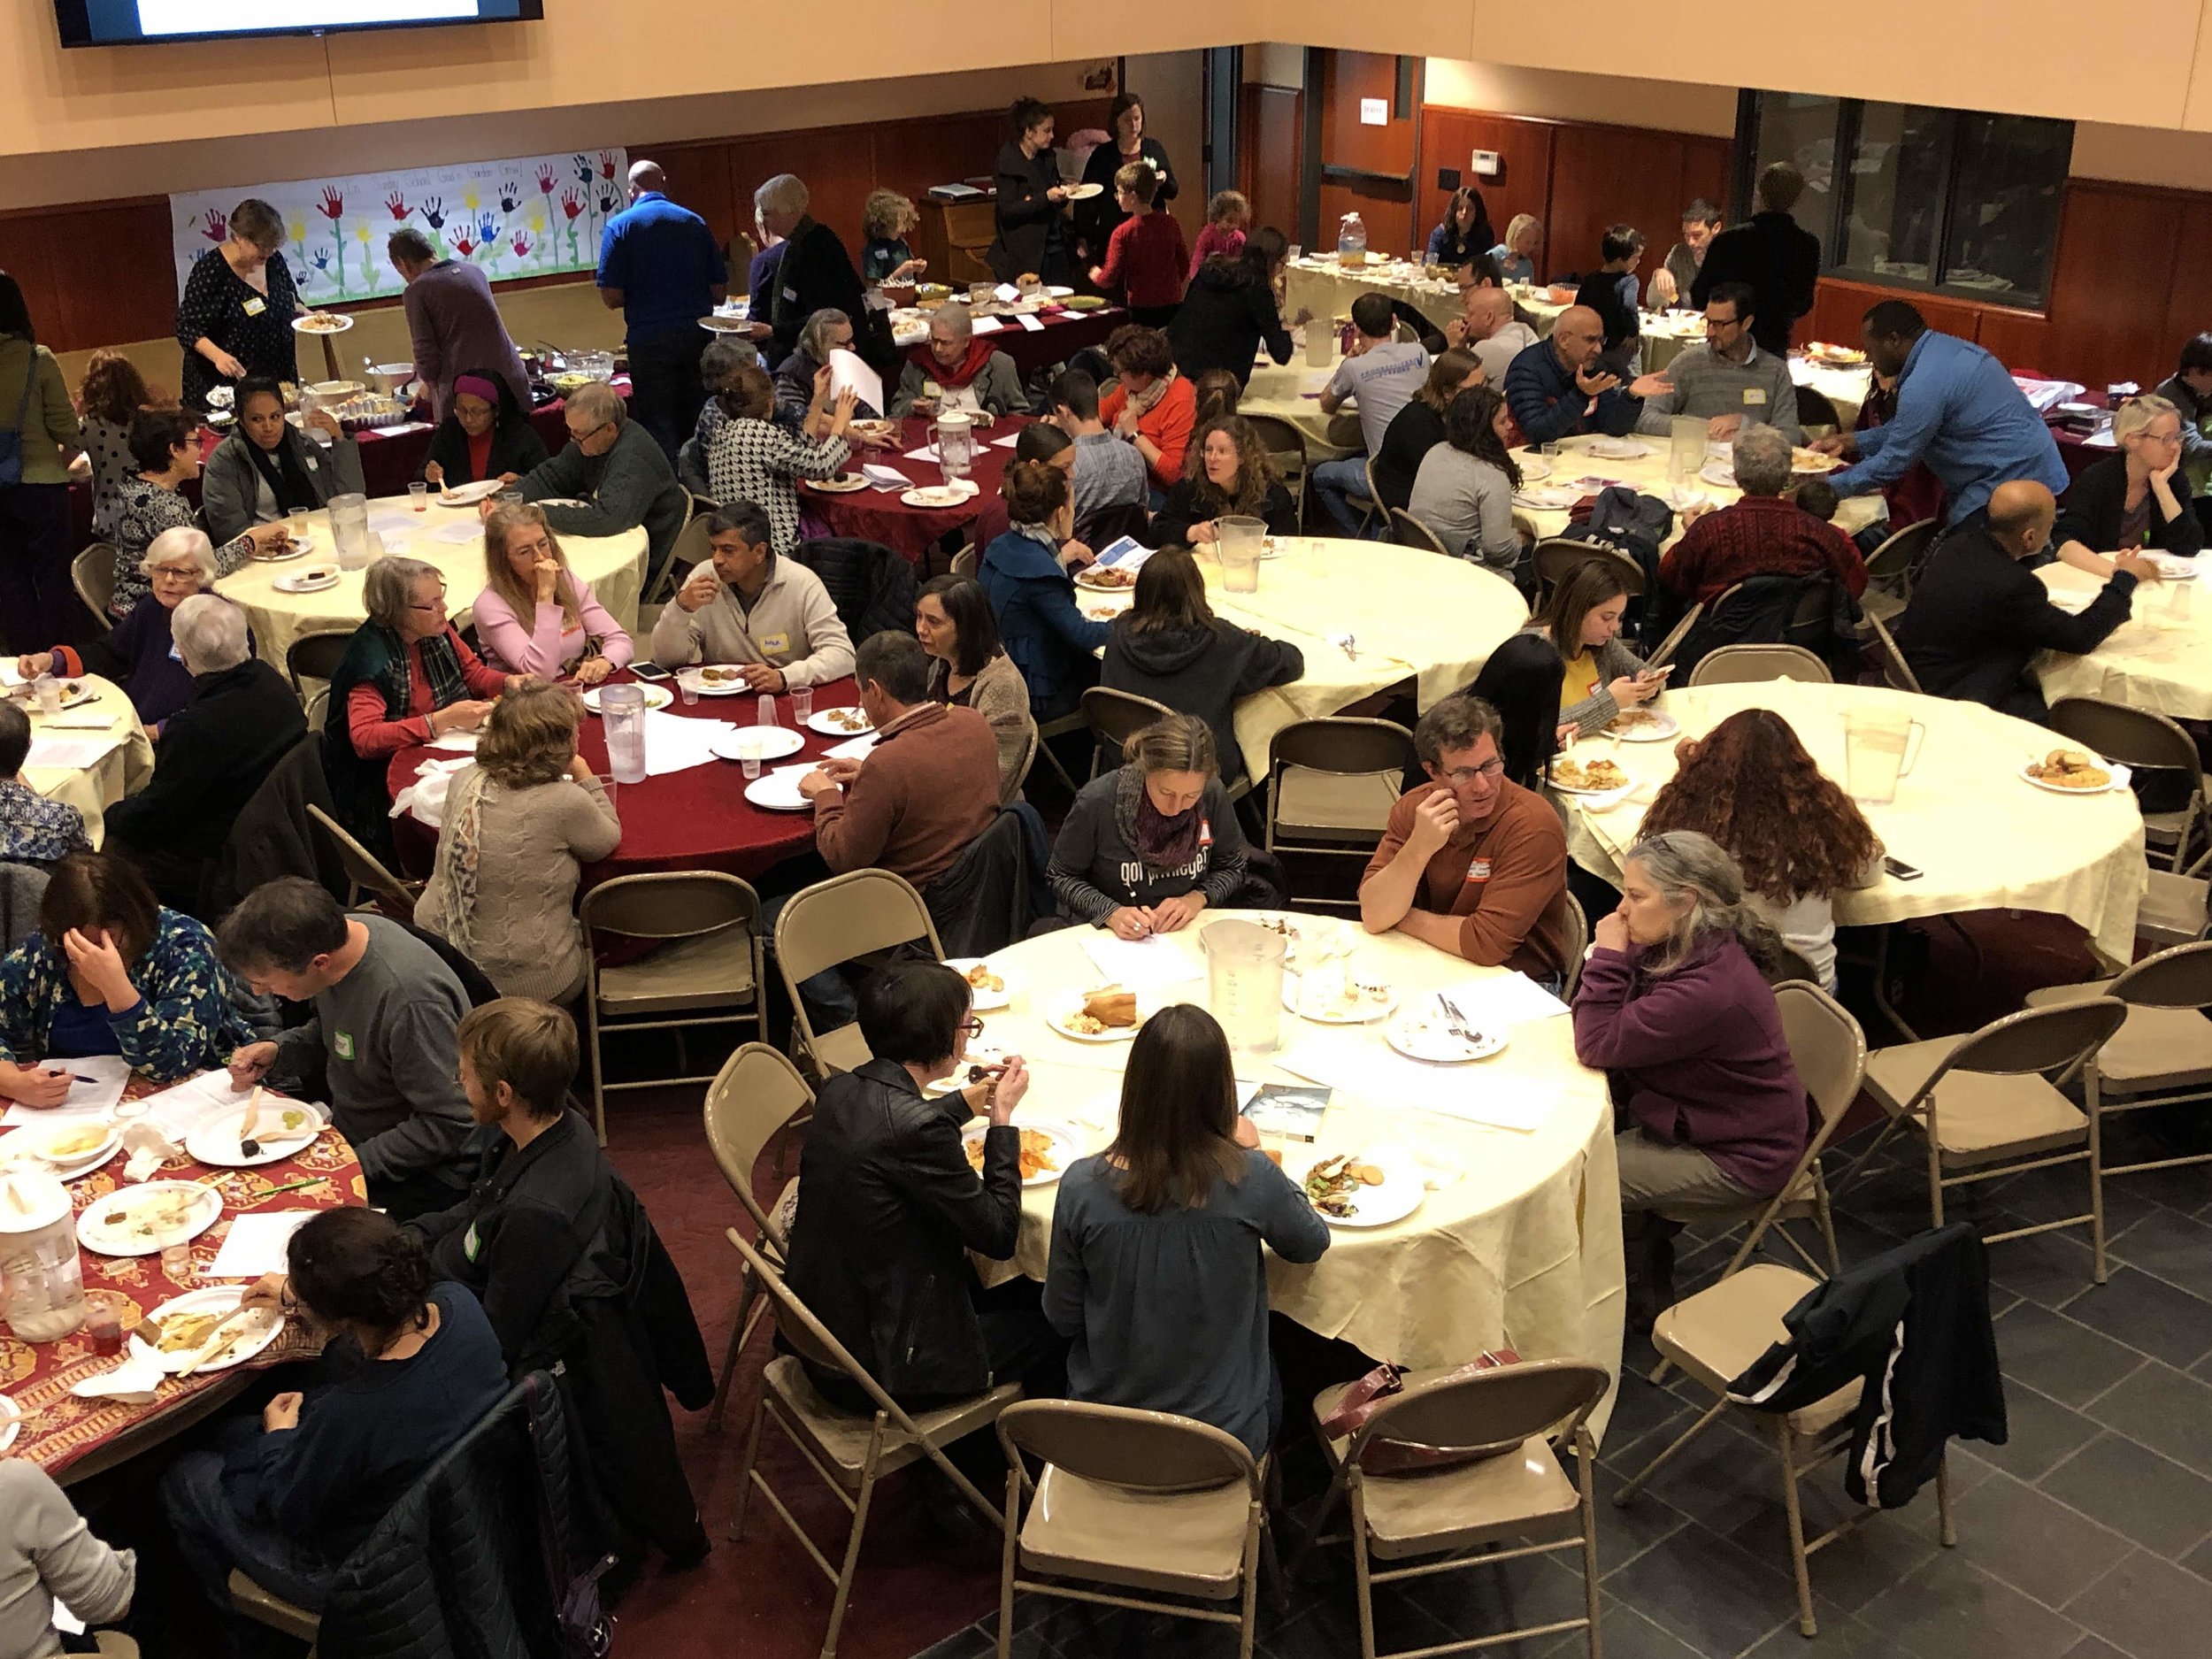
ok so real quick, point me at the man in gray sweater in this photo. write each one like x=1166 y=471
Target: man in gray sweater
x=1730 y=381
x=611 y=476
x=382 y=1033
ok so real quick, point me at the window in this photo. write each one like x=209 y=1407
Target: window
x=1912 y=196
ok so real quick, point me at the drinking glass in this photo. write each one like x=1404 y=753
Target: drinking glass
x=47 y=689
x=296 y=526
x=801 y=704
x=748 y=754
x=767 y=706
x=419 y=497
x=687 y=683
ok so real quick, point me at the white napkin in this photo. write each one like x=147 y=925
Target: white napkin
x=1030 y=324
x=148 y=1148
x=885 y=477
x=134 y=1380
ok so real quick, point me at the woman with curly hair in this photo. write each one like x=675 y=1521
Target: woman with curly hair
x=112 y=392
x=1227 y=474
x=1464 y=487
x=1797 y=837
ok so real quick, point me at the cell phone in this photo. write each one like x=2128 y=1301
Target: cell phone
x=650 y=671
x=1903 y=871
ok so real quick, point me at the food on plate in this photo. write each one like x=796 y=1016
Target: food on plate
x=1112 y=1008
x=1109 y=576
x=1630 y=720
x=1036 y=1155
x=1803 y=460
x=83 y=1143
x=1846 y=357
x=183 y=1332
x=2069 y=768
x=981 y=979
x=151 y=1214
x=719 y=676
x=1589 y=774
x=847 y=719
x=1332 y=1185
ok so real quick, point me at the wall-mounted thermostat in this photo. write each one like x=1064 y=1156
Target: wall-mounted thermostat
x=1486 y=164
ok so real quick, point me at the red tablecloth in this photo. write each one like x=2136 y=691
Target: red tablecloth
x=698 y=819
x=879 y=515
x=1064 y=335
x=58 y=1428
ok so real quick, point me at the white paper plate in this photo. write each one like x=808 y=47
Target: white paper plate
x=1085 y=192
x=1330 y=1010
x=1401 y=1193
x=1657 y=729
x=1419 y=1034
x=468 y=494
x=11 y=1421
x=777 y=742
x=826 y=721
x=221 y=1299
x=2119 y=781
x=1065 y=1151
x=35 y=1145
x=343 y=322
x=1720 y=473
x=1534 y=468
x=1112 y=1034
x=1547 y=500
x=937 y=495
x=305 y=582
x=2173 y=567
x=1054 y=291
x=214 y=1140
x=778 y=792
x=204 y=1207
x=1616 y=449
x=693 y=678
x=1811 y=463
x=986 y=999
x=82 y=695
x=655 y=697
x=843 y=484
x=1569 y=789
x=1087 y=579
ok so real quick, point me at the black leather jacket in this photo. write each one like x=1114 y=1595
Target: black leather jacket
x=888 y=1208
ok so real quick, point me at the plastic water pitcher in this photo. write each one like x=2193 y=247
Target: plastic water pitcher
x=1351 y=240
x=350 y=531
x=1244 y=983
x=953 y=431
x=41 y=1283
x=1875 y=745
x=622 y=712
x=1239 y=543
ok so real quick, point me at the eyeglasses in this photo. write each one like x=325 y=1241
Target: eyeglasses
x=586 y=436
x=434 y=605
x=972 y=1026
x=1489 y=769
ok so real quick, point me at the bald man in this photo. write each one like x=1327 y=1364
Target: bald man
x=660 y=266
x=1556 y=388
x=1978 y=615
x=1487 y=328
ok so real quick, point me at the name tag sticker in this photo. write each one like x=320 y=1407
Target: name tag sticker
x=341 y=1045
x=255 y=306
x=775 y=644
x=1754 y=394
x=792 y=295
x=1205 y=831
x=1479 y=871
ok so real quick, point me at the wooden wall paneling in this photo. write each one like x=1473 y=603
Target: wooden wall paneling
x=1606 y=175
x=2114 y=274
x=699 y=179
x=1387 y=208
x=2189 y=301
x=1448 y=139
x=1705 y=164
x=1269 y=145
x=837 y=164
x=2020 y=340
x=26 y=248
x=112 y=272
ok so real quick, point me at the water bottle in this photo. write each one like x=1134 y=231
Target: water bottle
x=1351 y=240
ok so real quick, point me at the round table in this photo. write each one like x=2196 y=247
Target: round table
x=1292 y=392
x=72 y=1438
x=1519 y=1239
x=694 y=820
x=2159 y=658
x=452 y=538
x=877 y=515
x=1648 y=473
x=1846 y=388
x=123 y=765
x=1409 y=615
x=1983 y=836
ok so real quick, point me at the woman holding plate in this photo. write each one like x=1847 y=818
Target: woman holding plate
x=235 y=318
x=1033 y=234
x=111 y=972
x=486 y=435
x=536 y=616
x=1097 y=218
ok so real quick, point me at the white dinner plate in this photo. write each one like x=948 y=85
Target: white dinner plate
x=337 y=324
x=984 y=998
x=1315 y=997
x=843 y=484
x=70 y=699
x=695 y=678
x=109 y=1226
x=1112 y=1034
x=1547 y=499
x=1583 y=789
x=1063 y=1149
x=1402 y=1189
x=1085 y=192
x=1088 y=579
x=1419 y=1034
x=1805 y=462
x=1533 y=468
x=253 y=1333
x=468 y=494
x=2119 y=779
x=295 y=547
x=655 y=697
x=215 y=1140
x=777 y=742
x=779 y=792
x=1054 y=291
x=2173 y=567
x=1681 y=498
x=1720 y=473
x=848 y=721
x=1616 y=449
x=311 y=581
x=1316 y=936
x=938 y=494
x=1655 y=728
x=69 y=1149
x=11 y=1421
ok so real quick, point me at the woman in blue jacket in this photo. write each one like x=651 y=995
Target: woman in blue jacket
x=1040 y=623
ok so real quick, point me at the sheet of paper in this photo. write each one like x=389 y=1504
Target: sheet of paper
x=1379 y=1074
x=395 y=520
x=461 y=534
x=1030 y=324
x=457 y=743
x=927 y=452
x=185 y=1107
x=1504 y=999
x=100 y=1081
x=675 y=744
x=1008 y=442
x=1141 y=964
x=71 y=754
x=255 y=1243
x=847 y=369
x=885 y=477
x=77 y=722
x=1127 y=551
x=988 y=325
x=1007 y=293
x=855 y=748
x=8 y=676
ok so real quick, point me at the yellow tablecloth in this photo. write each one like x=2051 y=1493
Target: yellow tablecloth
x=1286 y=391
x=1648 y=473
x=1845 y=389
x=1412 y=615
x=1984 y=837
x=124 y=770
x=1518 y=1238
x=2159 y=659
x=614 y=567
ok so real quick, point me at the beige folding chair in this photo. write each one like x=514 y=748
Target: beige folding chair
x=2165 y=1045
x=2138 y=738
x=365 y=875
x=2176 y=910
x=1746 y=664
x=964 y=562
x=93 y=574
x=1114 y=717
x=1409 y=531
x=1985 y=1106
x=1331 y=785
x=1520 y=1496
x=850 y=916
x=1559 y=556
x=1889 y=569
x=705 y=966
x=1672 y=643
x=1896 y=672
x=315 y=657
x=1286 y=453
x=1372 y=504
x=850 y=1453
x=1142 y=1500
x=757 y=1093
x=264 y=1608
x=691 y=545
x=1577 y=942
x=318 y=710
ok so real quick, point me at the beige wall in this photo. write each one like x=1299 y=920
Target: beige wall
x=1669 y=106
x=2141 y=155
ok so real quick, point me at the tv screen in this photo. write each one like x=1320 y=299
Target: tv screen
x=120 y=22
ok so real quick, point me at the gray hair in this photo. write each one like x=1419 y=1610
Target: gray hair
x=956 y=319
x=411 y=245
x=814 y=337
x=1688 y=864
x=724 y=355
x=1762 y=457
x=388 y=587
x=210 y=633
x=181 y=542
x=2137 y=412
x=598 y=403
x=254 y=220
x=785 y=193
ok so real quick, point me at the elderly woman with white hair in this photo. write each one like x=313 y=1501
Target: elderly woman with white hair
x=165 y=445
x=815 y=274
x=2133 y=500
x=407 y=677
x=826 y=331
x=956 y=370
x=611 y=476
x=214 y=753
x=139 y=653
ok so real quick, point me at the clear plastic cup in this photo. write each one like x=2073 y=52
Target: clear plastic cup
x=767 y=709
x=748 y=754
x=419 y=497
x=802 y=703
x=687 y=683
x=47 y=689
x=296 y=526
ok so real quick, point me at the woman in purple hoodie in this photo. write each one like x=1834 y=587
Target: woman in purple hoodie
x=1675 y=1006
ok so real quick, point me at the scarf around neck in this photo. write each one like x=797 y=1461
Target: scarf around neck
x=954 y=379
x=1164 y=843
x=441 y=663
x=288 y=481
x=1146 y=401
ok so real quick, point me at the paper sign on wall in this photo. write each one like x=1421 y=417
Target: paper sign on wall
x=1374 y=112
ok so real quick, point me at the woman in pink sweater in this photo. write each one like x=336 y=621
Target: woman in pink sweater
x=533 y=616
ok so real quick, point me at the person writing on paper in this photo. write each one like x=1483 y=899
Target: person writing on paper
x=269 y=468
x=1582 y=621
x=2133 y=500
x=409 y=1364
x=771 y=617
x=381 y=1034
x=34 y=830
x=1149 y=845
x=485 y=435
x=1729 y=382
x=1673 y=1005
x=611 y=476
x=753 y=457
x=520 y=824
x=535 y=615
x=1227 y=475
x=1160 y=1235
x=1471 y=863
x=958 y=370
x=48 y=1557
x=111 y=972
x=165 y=448
x=1558 y=388
x=969 y=669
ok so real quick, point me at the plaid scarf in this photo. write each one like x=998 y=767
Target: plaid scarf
x=440 y=660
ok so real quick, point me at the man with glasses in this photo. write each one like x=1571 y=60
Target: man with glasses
x=609 y=476
x=1729 y=381
x=1471 y=863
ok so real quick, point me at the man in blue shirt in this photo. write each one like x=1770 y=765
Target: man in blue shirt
x=1556 y=388
x=660 y=267
x=1957 y=410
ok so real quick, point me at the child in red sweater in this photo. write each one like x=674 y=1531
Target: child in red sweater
x=1147 y=257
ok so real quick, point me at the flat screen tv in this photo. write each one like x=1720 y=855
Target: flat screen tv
x=124 y=22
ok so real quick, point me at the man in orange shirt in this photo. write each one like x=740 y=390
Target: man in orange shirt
x=1154 y=407
x=1471 y=863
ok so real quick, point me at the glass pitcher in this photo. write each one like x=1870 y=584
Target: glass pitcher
x=1244 y=983
x=1238 y=543
x=350 y=531
x=42 y=1284
x=953 y=431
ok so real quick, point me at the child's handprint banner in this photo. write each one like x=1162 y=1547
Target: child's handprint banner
x=536 y=217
